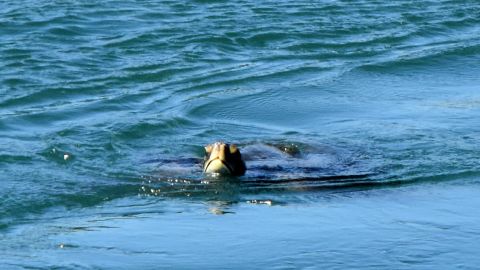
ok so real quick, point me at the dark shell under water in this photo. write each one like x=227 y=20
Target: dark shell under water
x=292 y=166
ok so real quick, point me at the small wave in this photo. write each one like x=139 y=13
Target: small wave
x=15 y=159
x=423 y=55
x=131 y=40
x=66 y=31
x=70 y=19
x=145 y=128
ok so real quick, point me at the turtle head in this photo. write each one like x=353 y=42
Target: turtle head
x=223 y=159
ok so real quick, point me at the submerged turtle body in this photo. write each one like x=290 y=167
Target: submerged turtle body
x=271 y=161
x=262 y=166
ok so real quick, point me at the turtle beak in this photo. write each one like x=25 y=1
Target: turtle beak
x=217 y=160
x=217 y=166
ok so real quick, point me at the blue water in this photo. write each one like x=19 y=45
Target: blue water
x=105 y=108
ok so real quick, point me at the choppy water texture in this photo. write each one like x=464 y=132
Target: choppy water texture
x=105 y=107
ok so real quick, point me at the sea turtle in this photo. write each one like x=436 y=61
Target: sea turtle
x=274 y=162
x=225 y=174
x=219 y=174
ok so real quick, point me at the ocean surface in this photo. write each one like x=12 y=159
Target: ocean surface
x=105 y=107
